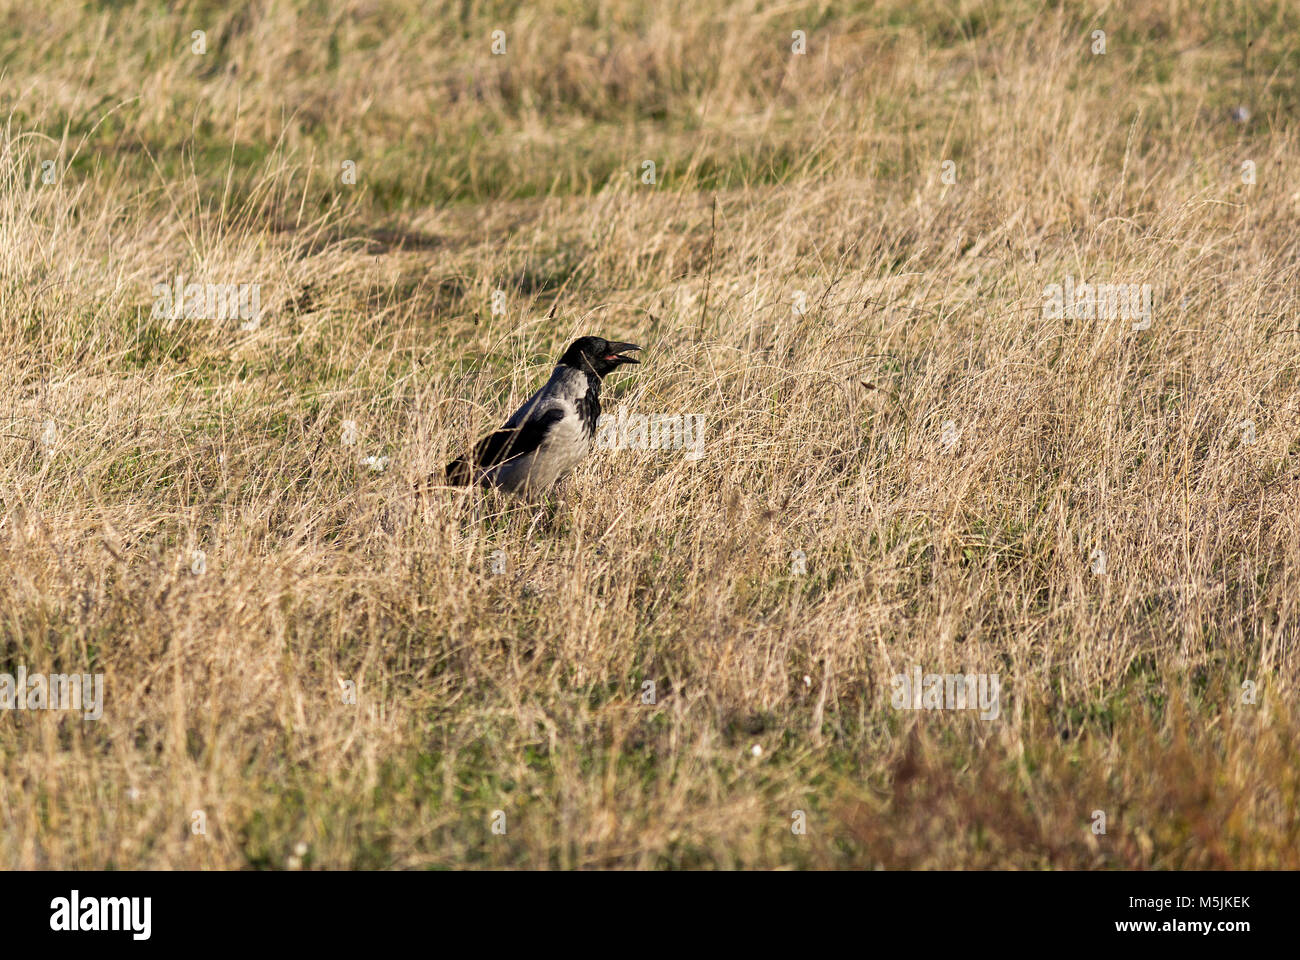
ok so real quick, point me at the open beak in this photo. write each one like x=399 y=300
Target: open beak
x=617 y=348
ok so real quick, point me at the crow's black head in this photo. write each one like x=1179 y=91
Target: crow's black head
x=596 y=355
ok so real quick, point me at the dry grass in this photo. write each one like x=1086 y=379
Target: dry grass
x=521 y=692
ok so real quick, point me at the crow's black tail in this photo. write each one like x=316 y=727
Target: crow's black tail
x=459 y=473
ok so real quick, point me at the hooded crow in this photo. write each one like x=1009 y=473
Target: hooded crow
x=552 y=432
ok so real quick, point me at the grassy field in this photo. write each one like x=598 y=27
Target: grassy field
x=842 y=263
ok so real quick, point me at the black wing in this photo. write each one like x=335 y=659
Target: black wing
x=506 y=444
x=510 y=442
